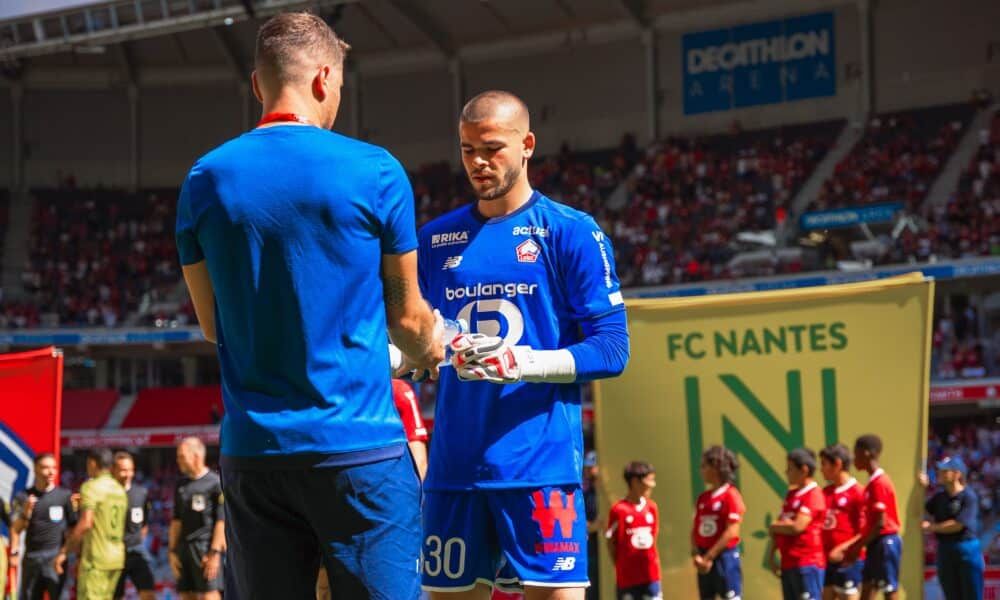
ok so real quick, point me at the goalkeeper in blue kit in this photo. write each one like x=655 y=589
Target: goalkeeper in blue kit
x=535 y=280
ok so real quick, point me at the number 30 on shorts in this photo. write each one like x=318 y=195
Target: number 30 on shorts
x=446 y=557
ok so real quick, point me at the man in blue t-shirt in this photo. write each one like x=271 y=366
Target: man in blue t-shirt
x=535 y=281
x=298 y=247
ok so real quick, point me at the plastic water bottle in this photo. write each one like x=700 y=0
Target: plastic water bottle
x=452 y=327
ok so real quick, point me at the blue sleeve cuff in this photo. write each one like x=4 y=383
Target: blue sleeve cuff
x=604 y=351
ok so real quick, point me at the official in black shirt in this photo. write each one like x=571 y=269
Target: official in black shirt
x=197 y=530
x=954 y=513
x=138 y=562
x=42 y=514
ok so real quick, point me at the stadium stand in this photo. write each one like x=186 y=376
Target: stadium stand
x=96 y=256
x=163 y=407
x=969 y=224
x=674 y=209
x=897 y=159
x=87 y=409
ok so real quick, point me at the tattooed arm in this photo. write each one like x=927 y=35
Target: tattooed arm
x=412 y=324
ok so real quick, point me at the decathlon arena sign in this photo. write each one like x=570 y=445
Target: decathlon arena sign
x=759 y=63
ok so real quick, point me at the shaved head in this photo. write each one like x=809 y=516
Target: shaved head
x=503 y=108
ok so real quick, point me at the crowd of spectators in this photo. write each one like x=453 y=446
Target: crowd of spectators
x=897 y=159
x=675 y=207
x=95 y=256
x=959 y=349
x=969 y=224
x=675 y=210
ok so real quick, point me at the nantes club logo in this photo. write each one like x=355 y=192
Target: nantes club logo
x=555 y=520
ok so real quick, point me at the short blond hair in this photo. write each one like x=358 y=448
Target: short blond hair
x=286 y=38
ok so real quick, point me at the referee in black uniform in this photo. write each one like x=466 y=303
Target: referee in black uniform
x=137 y=559
x=197 y=530
x=43 y=514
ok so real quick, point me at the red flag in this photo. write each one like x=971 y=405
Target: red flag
x=30 y=412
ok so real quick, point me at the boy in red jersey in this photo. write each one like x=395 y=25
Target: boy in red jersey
x=845 y=512
x=715 y=536
x=633 y=525
x=881 y=533
x=798 y=531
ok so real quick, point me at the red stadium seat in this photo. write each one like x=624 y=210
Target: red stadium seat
x=180 y=406
x=87 y=409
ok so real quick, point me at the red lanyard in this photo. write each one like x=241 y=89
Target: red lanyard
x=280 y=117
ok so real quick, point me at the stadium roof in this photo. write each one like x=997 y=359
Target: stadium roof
x=123 y=39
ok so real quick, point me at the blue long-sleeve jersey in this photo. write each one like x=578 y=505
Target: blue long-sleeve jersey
x=543 y=276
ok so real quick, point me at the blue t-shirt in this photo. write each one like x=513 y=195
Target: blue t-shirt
x=531 y=277
x=962 y=507
x=292 y=221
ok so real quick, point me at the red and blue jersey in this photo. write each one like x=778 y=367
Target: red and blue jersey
x=845 y=513
x=806 y=548
x=535 y=277
x=634 y=528
x=880 y=497
x=715 y=510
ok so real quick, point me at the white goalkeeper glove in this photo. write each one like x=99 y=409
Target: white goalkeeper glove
x=478 y=357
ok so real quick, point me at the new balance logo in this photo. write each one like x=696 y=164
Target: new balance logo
x=564 y=563
x=451 y=262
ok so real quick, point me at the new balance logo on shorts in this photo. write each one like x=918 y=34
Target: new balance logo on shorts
x=564 y=563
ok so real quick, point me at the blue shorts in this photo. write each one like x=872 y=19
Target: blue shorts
x=844 y=579
x=649 y=591
x=724 y=580
x=803 y=583
x=882 y=564
x=362 y=522
x=509 y=538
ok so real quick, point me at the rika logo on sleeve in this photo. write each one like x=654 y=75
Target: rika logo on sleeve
x=452 y=238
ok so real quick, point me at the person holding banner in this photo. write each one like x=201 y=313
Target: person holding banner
x=881 y=540
x=41 y=514
x=798 y=531
x=845 y=503
x=715 y=536
x=954 y=513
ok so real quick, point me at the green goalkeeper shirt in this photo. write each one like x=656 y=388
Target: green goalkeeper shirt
x=103 y=544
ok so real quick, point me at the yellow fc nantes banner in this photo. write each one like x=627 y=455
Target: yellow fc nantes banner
x=762 y=374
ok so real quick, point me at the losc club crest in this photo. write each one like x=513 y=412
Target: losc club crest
x=528 y=251
x=16 y=459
